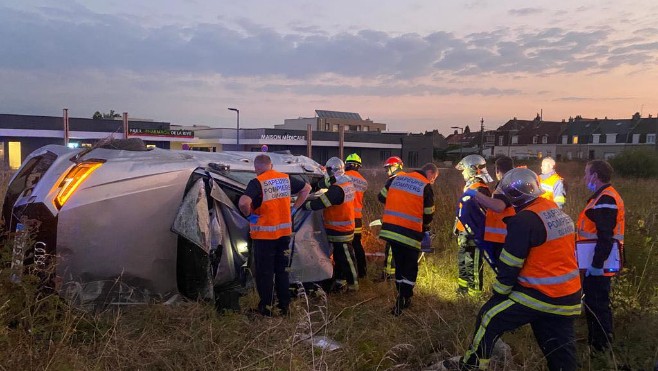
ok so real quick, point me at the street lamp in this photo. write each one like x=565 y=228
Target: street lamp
x=238 y=132
x=460 y=139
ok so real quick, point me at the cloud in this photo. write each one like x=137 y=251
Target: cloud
x=584 y=99
x=525 y=11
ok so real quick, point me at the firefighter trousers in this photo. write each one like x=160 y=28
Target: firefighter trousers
x=469 y=260
x=406 y=270
x=554 y=333
x=597 y=311
x=345 y=271
x=271 y=259
x=360 y=255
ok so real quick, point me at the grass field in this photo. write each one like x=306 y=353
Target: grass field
x=43 y=333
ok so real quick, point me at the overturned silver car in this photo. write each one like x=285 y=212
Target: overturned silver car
x=122 y=224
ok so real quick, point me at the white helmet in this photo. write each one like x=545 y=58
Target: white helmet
x=335 y=167
x=520 y=186
x=476 y=166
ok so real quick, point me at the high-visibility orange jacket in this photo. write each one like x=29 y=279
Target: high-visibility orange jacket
x=477 y=185
x=495 y=229
x=551 y=268
x=339 y=219
x=404 y=209
x=274 y=212
x=586 y=228
x=549 y=186
x=360 y=186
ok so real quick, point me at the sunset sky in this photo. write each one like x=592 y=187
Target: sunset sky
x=414 y=65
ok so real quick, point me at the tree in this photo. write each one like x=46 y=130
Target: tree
x=467 y=130
x=100 y=116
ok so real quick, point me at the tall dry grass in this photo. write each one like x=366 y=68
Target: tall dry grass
x=45 y=333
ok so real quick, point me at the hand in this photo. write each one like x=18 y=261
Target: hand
x=253 y=218
x=591 y=271
x=293 y=210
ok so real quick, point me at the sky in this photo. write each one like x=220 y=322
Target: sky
x=413 y=65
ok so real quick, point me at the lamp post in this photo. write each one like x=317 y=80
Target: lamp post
x=238 y=131
x=460 y=139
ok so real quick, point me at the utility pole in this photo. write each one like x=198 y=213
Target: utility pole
x=481 y=135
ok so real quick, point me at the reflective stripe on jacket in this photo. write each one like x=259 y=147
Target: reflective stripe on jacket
x=404 y=209
x=339 y=219
x=495 y=230
x=548 y=185
x=478 y=184
x=586 y=228
x=551 y=268
x=274 y=212
x=360 y=186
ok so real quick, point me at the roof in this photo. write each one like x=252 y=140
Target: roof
x=338 y=115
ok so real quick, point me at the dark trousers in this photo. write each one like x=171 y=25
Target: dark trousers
x=360 y=255
x=406 y=270
x=555 y=334
x=345 y=264
x=597 y=311
x=389 y=260
x=469 y=260
x=271 y=259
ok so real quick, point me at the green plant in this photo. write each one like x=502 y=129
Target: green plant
x=637 y=163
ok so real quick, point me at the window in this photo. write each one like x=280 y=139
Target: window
x=569 y=155
x=651 y=138
x=336 y=126
x=384 y=155
x=534 y=139
x=500 y=140
x=564 y=139
x=611 y=138
x=636 y=138
x=327 y=126
x=544 y=139
x=491 y=139
x=15 y=155
x=574 y=140
x=2 y=155
x=366 y=128
x=412 y=159
x=515 y=139
x=596 y=138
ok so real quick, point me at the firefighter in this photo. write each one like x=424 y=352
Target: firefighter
x=408 y=211
x=552 y=183
x=352 y=166
x=537 y=281
x=393 y=166
x=338 y=205
x=469 y=259
x=266 y=203
x=602 y=219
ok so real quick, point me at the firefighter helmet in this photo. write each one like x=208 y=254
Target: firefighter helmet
x=393 y=165
x=353 y=161
x=335 y=167
x=474 y=166
x=520 y=186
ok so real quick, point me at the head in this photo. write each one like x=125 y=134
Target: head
x=547 y=165
x=262 y=163
x=393 y=165
x=474 y=166
x=597 y=173
x=335 y=167
x=503 y=165
x=431 y=172
x=353 y=162
x=520 y=186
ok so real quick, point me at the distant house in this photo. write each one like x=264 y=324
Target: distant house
x=332 y=121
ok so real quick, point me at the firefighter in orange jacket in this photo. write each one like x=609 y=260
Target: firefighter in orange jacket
x=469 y=258
x=602 y=219
x=552 y=183
x=393 y=166
x=408 y=212
x=338 y=205
x=352 y=166
x=266 y=203
x=537 y=281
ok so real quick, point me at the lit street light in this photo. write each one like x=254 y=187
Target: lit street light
x=238 y=132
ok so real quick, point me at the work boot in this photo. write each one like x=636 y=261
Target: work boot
x=400 y=304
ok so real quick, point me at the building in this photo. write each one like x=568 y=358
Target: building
x=332 y=121
x=22 y=134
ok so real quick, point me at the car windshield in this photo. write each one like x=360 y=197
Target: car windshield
x=242 y=177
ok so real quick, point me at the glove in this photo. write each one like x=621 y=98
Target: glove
x=253 y=218
x=293 y=210
x=470 y=192
x=591 y=271
x=426 y=243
